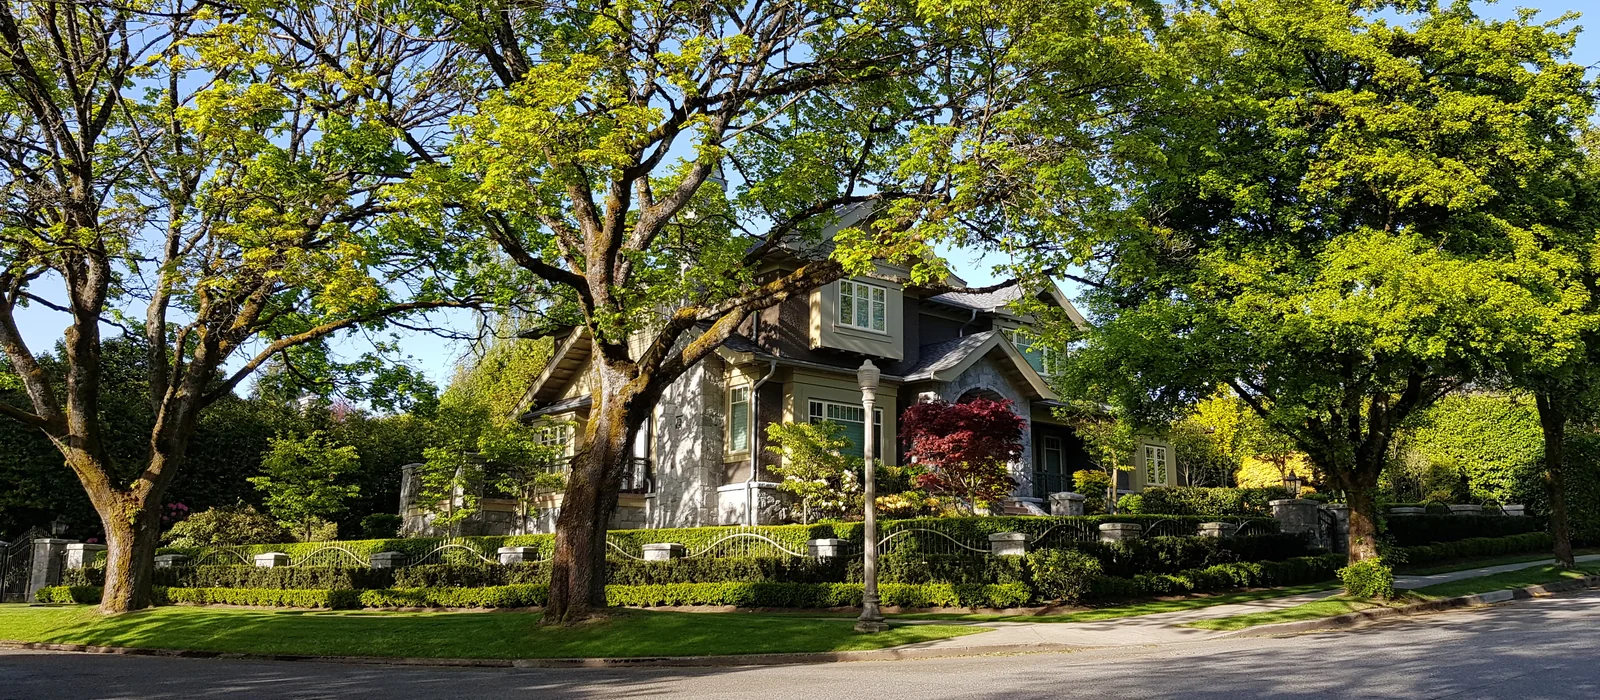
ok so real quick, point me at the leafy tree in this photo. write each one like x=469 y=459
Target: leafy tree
x=1110 y=441
x=967 y=449
x=1490 y=444
x=1336 y=218
x=197 y=170
x=661 y=173
x=225 y=526
x=813 y=466
x=306 y=481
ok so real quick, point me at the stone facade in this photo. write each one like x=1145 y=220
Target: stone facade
x=986 y=377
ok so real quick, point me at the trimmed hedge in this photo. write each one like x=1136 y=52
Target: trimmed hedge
x=83 y=595
x=1200 y=500
x=1477 y=547
x=470 y=575
x=513 y=596
x=1220 y=577
x=1412 y=530
x=819 y=595
x=793 y=537
x=298 y=577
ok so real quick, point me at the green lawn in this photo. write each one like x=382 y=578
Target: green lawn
x=485 y=635
x=1339 y=605
x=1460 y=564
x=1132 y=609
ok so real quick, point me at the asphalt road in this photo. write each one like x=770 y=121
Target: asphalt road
x=1546 y=648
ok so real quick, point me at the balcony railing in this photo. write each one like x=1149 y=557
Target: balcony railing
x=639 y=476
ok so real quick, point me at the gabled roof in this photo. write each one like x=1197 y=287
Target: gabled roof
x=944 y=362
x=998 y=301
x=571 y=355
x=562 y=406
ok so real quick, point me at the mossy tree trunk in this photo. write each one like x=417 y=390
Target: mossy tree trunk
x=1553 y=423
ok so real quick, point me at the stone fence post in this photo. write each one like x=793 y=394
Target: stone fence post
x=1066 y=503
x=1298 y=515
x=663 y=551
x=826 y=548
x=517 y=555
x=1218 y=530
x=386 y=560
x=82 y=556
x=271 y=559
x=1008 y=544
x=168 y=561
x=47 y=559
x=1120 y=532
x=1466 y=509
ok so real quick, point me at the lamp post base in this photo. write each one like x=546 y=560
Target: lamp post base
x=871 y=626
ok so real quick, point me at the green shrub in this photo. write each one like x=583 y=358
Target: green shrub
x=85 y=595
x=1220 y=577
x=819 y=595
x=263 y=597
x=1412 y=530
x=1477 y=547
x=225 y=526
x=1062 y=575
x=630 y=572
x=380 y=525
x=1369 y=578
x=1206 y=501
x=512 y=596
x=283 y=578
x=471 y=575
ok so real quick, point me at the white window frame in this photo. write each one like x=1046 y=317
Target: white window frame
x=749 y=430
x=556 y=434
x=1048 y=357
x=874 y=296
x=1155 y=456
x=817 y=411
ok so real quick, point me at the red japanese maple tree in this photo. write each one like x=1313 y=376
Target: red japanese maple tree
x=965 y=447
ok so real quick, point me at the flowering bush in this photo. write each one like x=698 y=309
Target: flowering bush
x=174 y=512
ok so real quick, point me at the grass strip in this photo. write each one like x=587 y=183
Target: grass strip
x=1339 y=605
x=1150 y=607
x=465 y=635
x=1480 y=562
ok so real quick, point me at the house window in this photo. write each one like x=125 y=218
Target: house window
x=1155 y=465
x=1044 y=359
x=863 y=306
x=558 y=435
x=853 y=419
x=739 y=419
x=1051 y=476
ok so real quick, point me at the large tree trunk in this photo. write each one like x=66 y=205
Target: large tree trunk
x=578 y=568
x=130 y=553
x=1553 y=422
x=1361 y=497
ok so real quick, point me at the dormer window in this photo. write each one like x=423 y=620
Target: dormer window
x=1044 y=359
x=864 y=306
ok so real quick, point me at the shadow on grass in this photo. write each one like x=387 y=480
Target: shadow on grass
x=486 y=635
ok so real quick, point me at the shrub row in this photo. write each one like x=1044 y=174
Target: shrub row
x=753 y=595
x=1477 y=547
x=1199 y=500
x=1222 y=577
x=1412 y=530
x=792 y=537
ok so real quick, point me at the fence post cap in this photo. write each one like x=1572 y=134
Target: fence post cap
x=1292 y=501
x=519 y=550
x=1121 y=526
x=82 y=546
x=1008 y=537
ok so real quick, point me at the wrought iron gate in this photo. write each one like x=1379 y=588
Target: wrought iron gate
x=16 y=566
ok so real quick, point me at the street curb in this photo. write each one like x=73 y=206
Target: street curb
x=1349 y=620
x=891 y=654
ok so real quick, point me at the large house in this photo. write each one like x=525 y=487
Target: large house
x=700 y=460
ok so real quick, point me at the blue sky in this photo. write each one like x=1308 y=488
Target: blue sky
x=436 y=356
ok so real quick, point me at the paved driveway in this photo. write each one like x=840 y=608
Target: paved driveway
x=1544 y=648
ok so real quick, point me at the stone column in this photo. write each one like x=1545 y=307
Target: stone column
x=826 y=548
x=1218 y=530
x=386 y=560
x=1341 y=534
x=1405 y=511
x=1466 y=509
x=1120 y=532
x=663 y=551
x=1514 y=510
x=167 y=561
x=1297 y=515
x=1008 y=544
x=1066 y=503
x=271 y=559
x=82 y=556
x=518 y=555
x=47 y=558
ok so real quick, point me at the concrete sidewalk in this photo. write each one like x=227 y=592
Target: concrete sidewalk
x=1167 y=628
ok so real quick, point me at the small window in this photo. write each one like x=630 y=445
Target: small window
x=1044 y=359
x=557 y=435
x=739 y=419
x=1155 y=465
x=864 y=306
x=853 y=420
